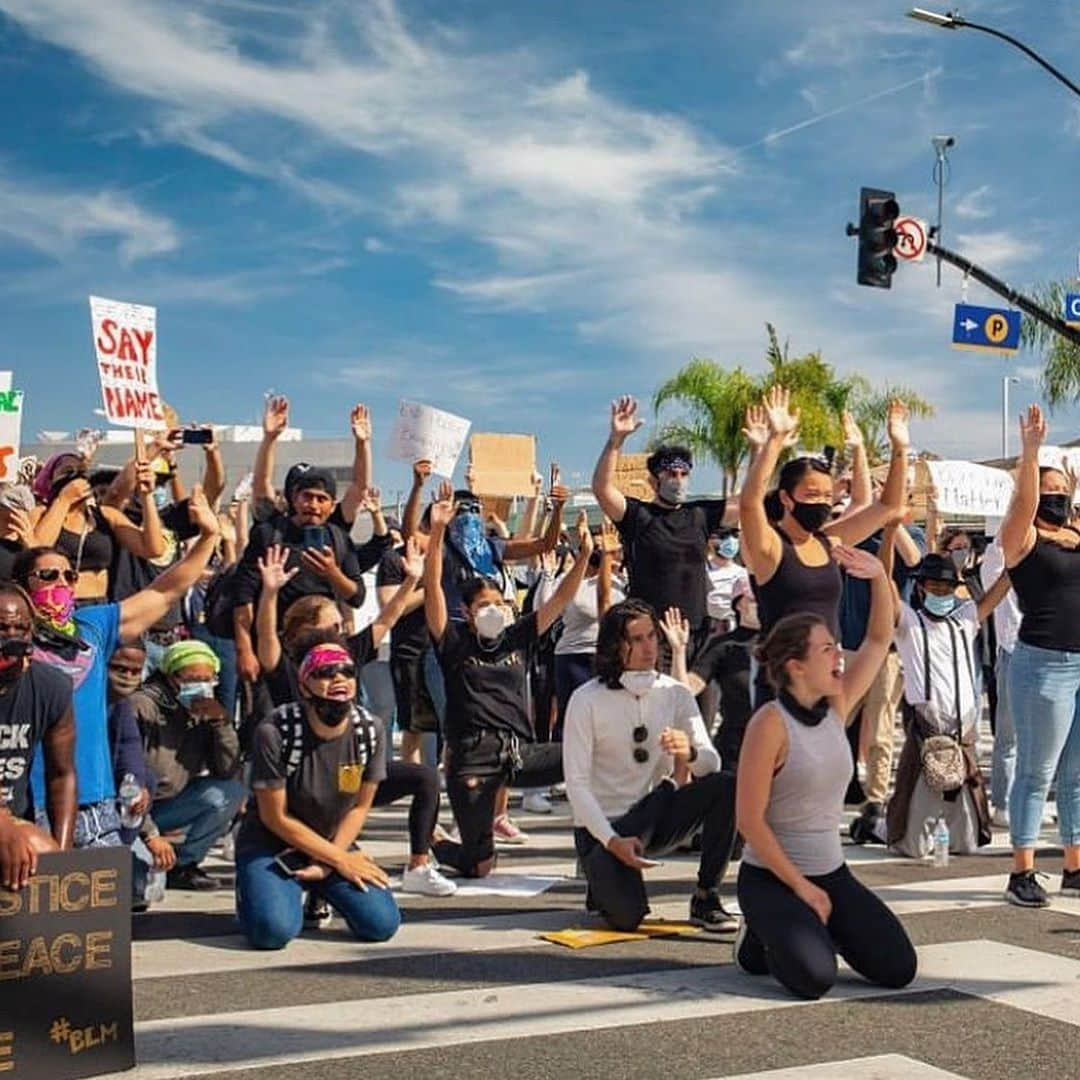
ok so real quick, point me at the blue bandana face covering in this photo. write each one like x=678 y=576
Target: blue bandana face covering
x=467 y=533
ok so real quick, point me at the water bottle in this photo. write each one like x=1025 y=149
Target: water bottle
x=155 y=887
x=130 y=790
x=941 y=843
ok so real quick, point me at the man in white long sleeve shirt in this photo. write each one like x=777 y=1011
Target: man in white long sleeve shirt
x=626 y=730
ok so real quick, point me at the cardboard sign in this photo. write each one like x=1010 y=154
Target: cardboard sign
x=502 y=464
x=65 y=957
x=632 y=478
x=962 y=487
x=11 y=402
x=424 y=433
x=125 y=344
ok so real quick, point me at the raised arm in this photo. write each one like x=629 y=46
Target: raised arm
x=609 y=540
x=352 y=500
x=770 y=427
x=275 y=421
x=147 y=541
x=862 y=492
x=213 y=472
x=274 y=578
x=1018 y=529
x=863 y=668
x=993 y=596
x=571 y=582
x=442 y=511
x=400 y=603
x=410 y=523
x=624 y=422
x=526 y=549
x=139 y=612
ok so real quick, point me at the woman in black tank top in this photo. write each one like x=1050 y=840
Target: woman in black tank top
x=791 y=559
x=1042 y=556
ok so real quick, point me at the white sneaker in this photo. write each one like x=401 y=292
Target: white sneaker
x=427 y=881
x=535 y=802
x=999 y=818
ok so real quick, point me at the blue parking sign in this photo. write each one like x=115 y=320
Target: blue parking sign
x=984 y=329
x=1072 y=309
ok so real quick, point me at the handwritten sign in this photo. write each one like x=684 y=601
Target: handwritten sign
x=11 y=402
x=962 y=487
x=502 y=464
x=65 y=957
x=632 y=477
x=125 y=344
x=422 y=432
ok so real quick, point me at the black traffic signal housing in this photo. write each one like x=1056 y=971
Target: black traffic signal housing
x=878 y=211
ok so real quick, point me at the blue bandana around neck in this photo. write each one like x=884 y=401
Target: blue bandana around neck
x=467 y=534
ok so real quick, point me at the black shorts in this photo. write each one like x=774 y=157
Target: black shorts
x=415 y=709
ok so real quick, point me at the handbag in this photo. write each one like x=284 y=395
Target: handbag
x=944 y=768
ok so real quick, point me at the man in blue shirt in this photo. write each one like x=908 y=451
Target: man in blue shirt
x=79 y=642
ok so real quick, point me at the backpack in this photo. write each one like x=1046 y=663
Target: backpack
x=289 y=720
x=219 y=603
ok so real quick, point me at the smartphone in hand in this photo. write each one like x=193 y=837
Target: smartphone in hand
x=316 y=536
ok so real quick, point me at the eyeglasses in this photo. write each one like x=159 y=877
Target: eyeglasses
x=328 y=671
x=51 y=573
x=641 y=733
x=468 y=508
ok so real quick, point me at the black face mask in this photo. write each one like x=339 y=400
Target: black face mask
x=1053 y=509
x=811 y=516
x=330 y=710
x=13 y=651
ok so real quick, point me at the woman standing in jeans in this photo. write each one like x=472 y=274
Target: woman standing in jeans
x=1044 y=675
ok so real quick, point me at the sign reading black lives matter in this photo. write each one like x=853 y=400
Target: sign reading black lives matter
x=65 y=968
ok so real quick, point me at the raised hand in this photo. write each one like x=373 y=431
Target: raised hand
x=421 y=470
x=275 y=415
x=624 y=418
x=756 y=427
x=1032 y=428
x=272 y=568
x=372 y=500
x=586 y=543
x=853 y=436
x=442 y=509
x=200 y=513
x=413 y=559
x=360 y=422
x=609 y=537
x=856 y=562
x=897 y=426
x=782 y=419
x=144 y=477
x=676 y=629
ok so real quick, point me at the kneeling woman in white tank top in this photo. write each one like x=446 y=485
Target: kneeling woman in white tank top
x=801 y=903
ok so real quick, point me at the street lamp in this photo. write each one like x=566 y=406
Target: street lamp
x=1005 y=414
x=953 y=20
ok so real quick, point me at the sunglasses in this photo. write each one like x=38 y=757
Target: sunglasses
x=641 y=733
x=468 y=508
x=328 y=671
x=51 y=573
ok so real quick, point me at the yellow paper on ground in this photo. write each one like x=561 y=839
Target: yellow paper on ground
x=587 y=939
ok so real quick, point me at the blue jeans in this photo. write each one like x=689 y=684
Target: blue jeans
x=270 y=904
x=1003 y=762
x=96 y=825
x=1044 y=698
x=203 y=811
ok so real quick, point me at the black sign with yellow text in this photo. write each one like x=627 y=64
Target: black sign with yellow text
x=65 y=968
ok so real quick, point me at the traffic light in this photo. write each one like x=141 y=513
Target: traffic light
x=878 y=210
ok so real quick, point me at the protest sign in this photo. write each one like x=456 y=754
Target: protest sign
x=425 y=433
x=632 y=477
x=125 y=344
x=962 y=487
x=502 y=464
x=65 y=956
x=10 y=429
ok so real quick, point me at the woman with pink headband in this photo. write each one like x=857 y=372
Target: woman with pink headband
x=316 y=764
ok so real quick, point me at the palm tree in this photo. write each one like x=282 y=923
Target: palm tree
x=1061 y=358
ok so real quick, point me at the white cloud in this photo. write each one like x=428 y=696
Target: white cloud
x=374 y=246
x=973 y=206
x=997 y=249
x=56 y=222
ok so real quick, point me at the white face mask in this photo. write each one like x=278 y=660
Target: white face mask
x=490 y=621
x=639 y=683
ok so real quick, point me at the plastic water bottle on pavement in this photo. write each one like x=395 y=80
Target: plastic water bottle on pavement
x=130 y=790
x=941 y=843
x=155 y=887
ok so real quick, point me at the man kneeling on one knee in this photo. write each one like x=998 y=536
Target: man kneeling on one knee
x=192 y=748
x=628 y=733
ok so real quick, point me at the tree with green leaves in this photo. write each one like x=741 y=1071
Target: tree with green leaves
x=1061 y=358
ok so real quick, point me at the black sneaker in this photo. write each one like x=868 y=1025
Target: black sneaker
x=317 y=913
x=190 y=878
x=748 y=952
x=864 y=829
x=1070 y=883
x=1024 y=890
x=708 y=913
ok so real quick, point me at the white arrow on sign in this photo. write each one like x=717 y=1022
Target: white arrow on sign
x=911 y=236
x=969 y=325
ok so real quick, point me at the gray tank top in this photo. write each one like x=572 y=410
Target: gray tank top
x=806 y=804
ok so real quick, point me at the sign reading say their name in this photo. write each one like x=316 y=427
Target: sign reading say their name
x=962 y=487
x=65 y=958
x=425 y=433
x=125 y=344
x=11 y=402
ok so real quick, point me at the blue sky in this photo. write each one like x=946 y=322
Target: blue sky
x=513 y=211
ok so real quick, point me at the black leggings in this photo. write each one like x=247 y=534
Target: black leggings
x=473 y=779
x=786 y=938
x=422 y=783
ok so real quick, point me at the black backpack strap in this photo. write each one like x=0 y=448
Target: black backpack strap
x=926 y=655
x=290 y=722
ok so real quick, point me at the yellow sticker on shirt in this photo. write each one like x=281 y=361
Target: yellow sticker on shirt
x=348 y=778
